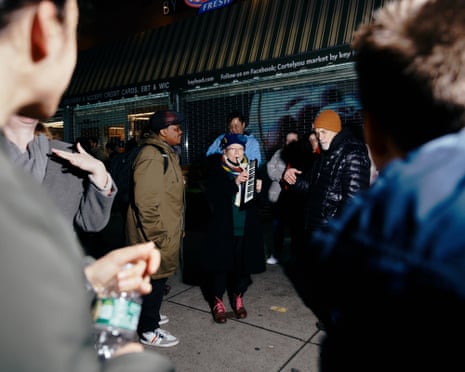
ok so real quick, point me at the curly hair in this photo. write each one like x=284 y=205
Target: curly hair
x=410 y=59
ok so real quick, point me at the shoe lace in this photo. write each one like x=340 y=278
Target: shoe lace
x=219 y=306
x=238 y=302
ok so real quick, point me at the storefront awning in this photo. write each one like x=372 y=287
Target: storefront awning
x=248 y=32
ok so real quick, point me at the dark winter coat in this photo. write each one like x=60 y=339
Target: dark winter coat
x=387 y=277
x=218 y=253
x=338 y=174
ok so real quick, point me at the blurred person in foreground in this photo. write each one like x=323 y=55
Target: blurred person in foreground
x=387 y=277
x=46 y=319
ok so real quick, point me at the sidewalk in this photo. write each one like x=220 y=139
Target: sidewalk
x=279 y=333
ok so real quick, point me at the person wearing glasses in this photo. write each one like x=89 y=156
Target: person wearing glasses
x=234 y=246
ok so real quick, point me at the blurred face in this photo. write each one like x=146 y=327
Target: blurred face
x=54 y=68
x=291 y=137
x=172 y=134
x=325 y=137
x=236 y=126
x=313 y=141
x=18 y=121
x=235 y=153
x=20 y=128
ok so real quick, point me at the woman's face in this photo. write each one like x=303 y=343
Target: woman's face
x=235 y=153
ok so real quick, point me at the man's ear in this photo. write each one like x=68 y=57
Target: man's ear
x=44 y=24
x=163 y=132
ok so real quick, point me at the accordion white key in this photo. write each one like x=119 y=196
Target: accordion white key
x=249 y=190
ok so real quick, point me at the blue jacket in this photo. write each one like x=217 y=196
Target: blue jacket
x=387 y=278
x=252 y=148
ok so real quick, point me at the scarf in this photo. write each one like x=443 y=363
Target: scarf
x=233 y=168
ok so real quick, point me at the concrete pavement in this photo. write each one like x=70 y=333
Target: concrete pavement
x=279 y=333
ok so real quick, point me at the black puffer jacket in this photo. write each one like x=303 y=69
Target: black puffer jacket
x=336 y=176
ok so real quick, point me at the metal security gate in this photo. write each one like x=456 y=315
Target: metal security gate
x=271 y=106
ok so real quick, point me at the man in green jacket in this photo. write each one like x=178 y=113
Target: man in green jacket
x=156 y=214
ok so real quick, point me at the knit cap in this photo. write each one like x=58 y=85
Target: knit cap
x=328 y=119
x=231 y=138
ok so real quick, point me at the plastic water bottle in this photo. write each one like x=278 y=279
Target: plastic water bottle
x=116 y=315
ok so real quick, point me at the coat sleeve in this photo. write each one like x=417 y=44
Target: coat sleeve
x=215 y=147
x=87 y=207
x=95 y=207
x=252 y=149
x=355 y=173
x=148 y=194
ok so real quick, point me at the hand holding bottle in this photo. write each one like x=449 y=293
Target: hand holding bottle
x=119 y=278
x=111 y=269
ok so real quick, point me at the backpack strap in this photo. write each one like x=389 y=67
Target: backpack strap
x=163 y=153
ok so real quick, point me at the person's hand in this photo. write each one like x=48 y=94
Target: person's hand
x=110 y=269
x=242 y=177
x=130 y=347
x=290 y=175
x=258 y=185
x=85 y=161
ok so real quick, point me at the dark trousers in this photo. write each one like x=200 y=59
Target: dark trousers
x=151 y=304
x=229 y=282
x=288 y=218
x=235 y=282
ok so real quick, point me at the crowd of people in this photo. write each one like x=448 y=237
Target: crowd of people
x=371 y=257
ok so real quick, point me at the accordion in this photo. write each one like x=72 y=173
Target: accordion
x=250 y=185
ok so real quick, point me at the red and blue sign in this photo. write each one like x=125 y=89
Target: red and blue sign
x=208 y=5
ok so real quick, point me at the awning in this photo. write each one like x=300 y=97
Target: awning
x=244 y=33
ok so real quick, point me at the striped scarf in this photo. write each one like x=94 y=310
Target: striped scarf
x=233 y=168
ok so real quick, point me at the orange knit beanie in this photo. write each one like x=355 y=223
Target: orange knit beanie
x=328 y=119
